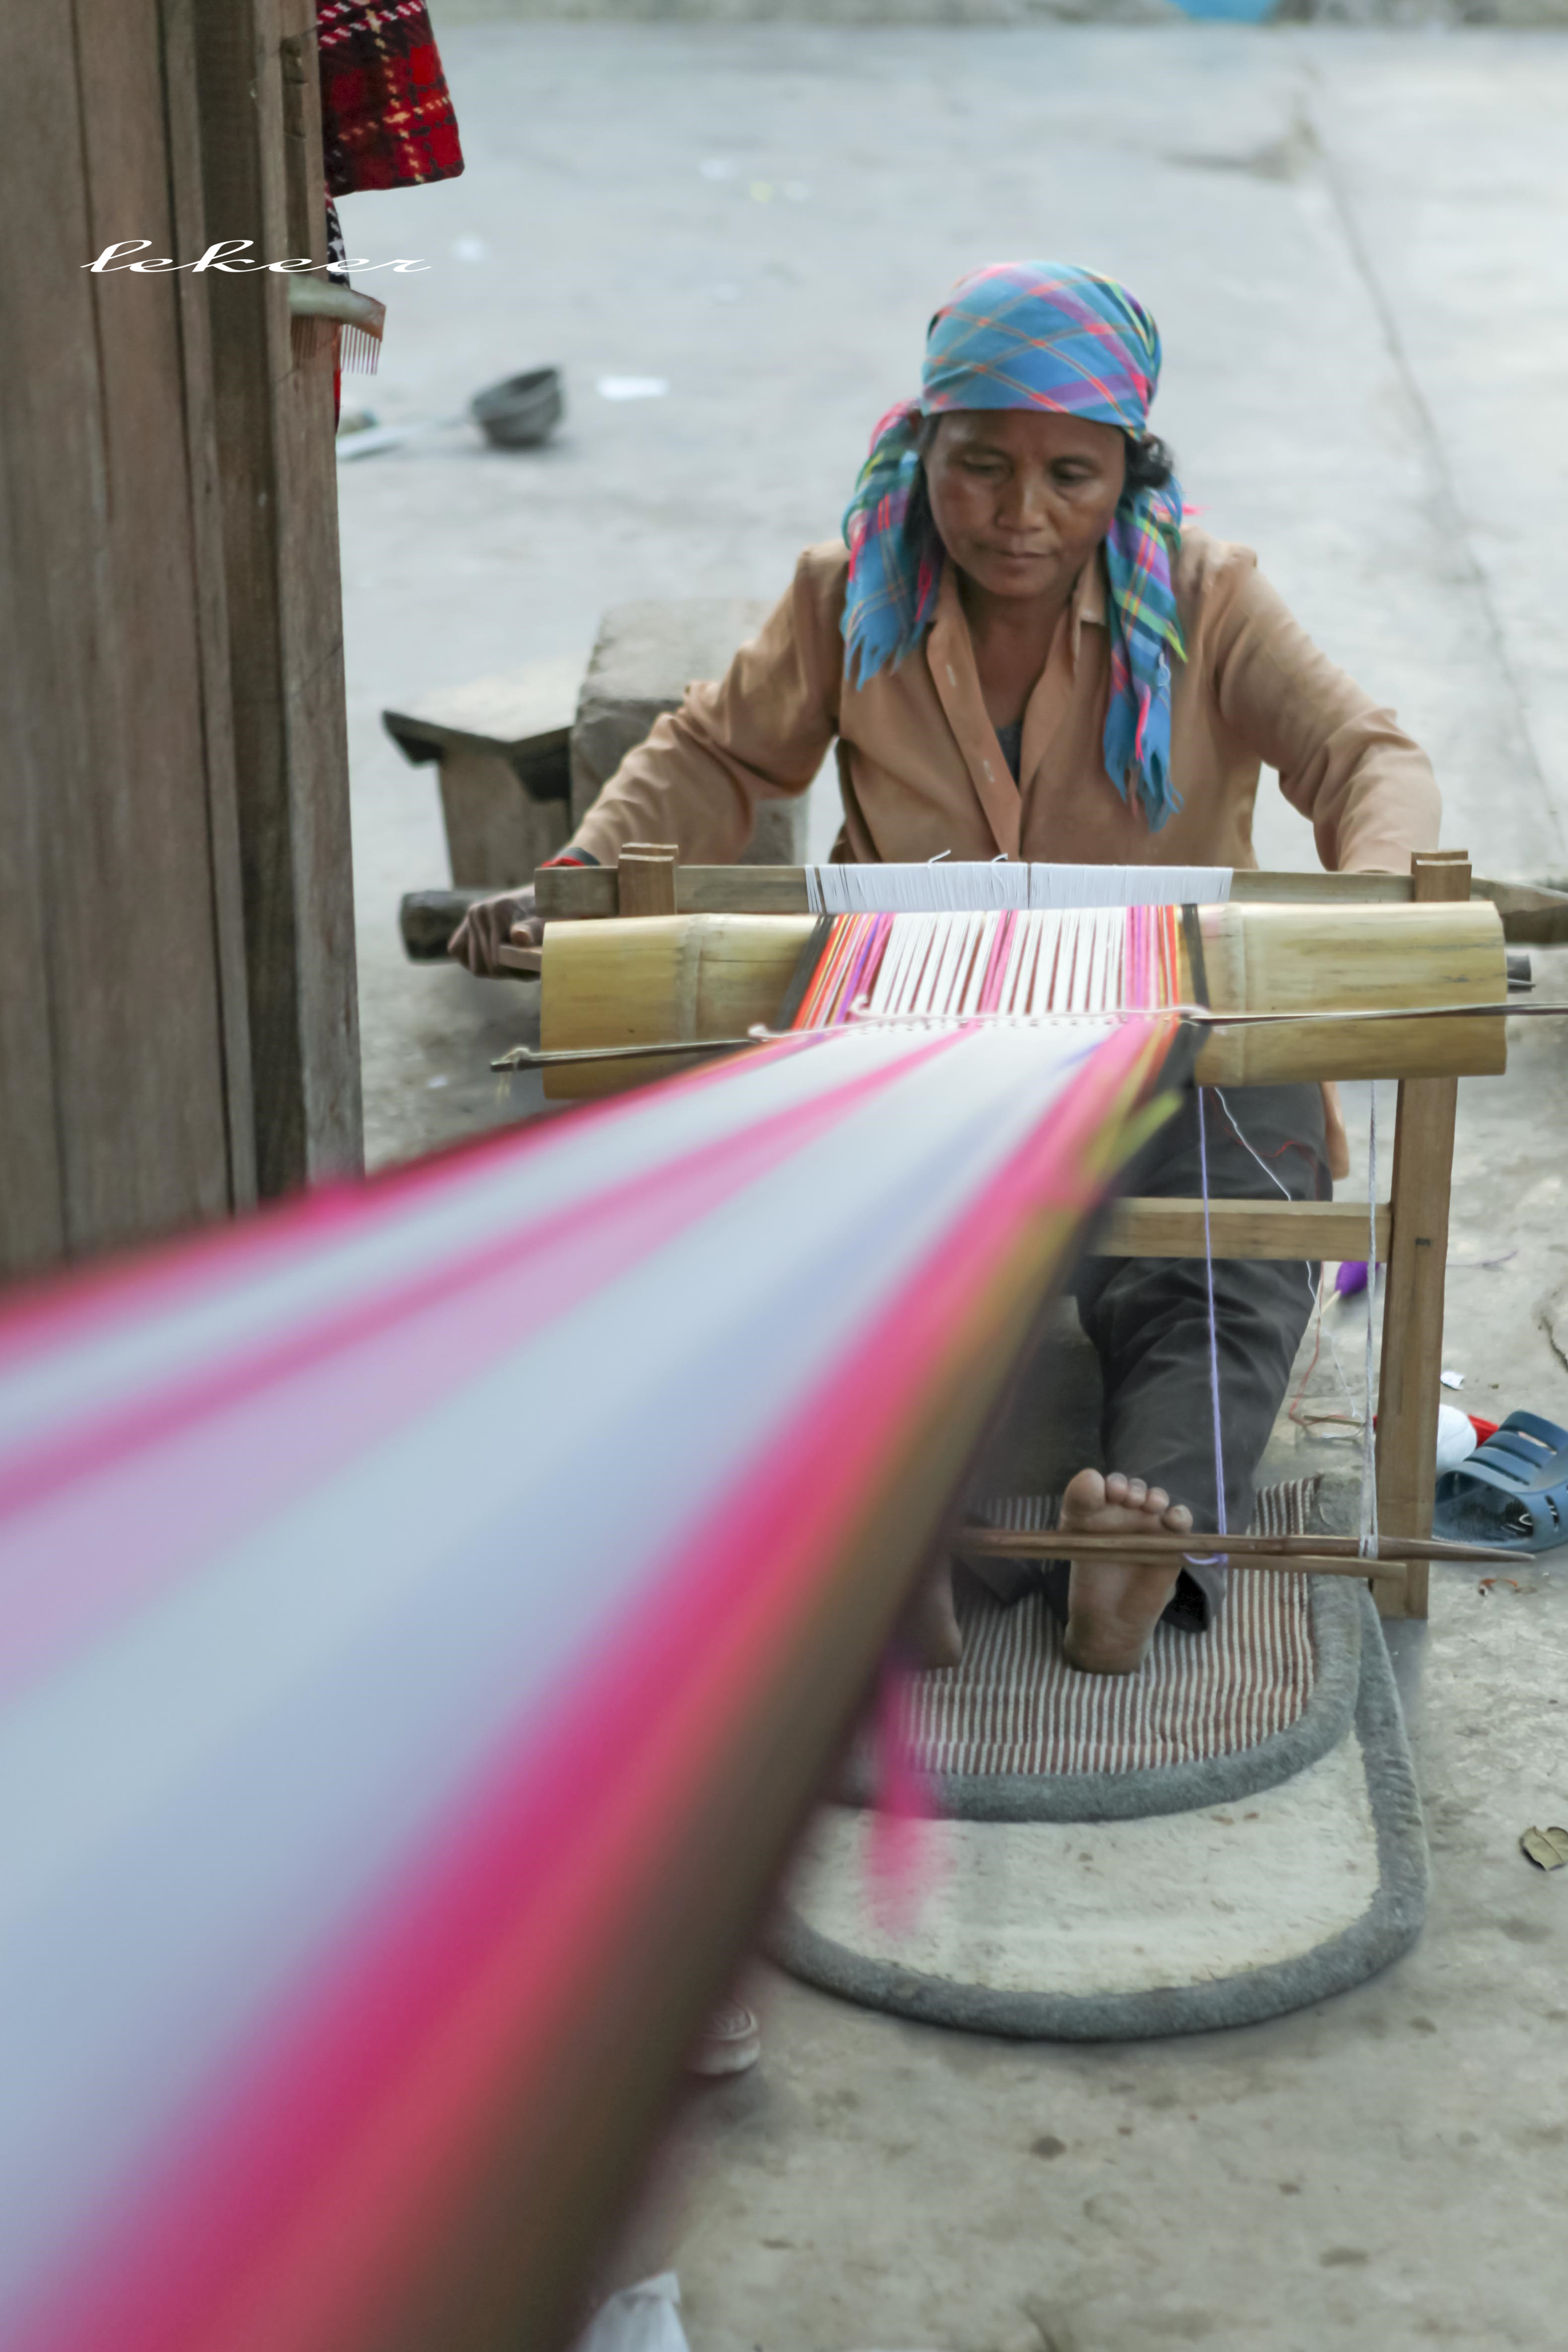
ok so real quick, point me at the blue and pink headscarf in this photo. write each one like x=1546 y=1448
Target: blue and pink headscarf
x=1032 y=335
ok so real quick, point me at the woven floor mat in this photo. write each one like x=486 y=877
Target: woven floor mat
x=1219 y=1916
x=1013 y=1733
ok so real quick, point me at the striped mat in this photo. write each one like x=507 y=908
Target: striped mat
x=1015 y=1707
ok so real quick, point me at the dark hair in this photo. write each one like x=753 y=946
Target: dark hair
x=1150 y=464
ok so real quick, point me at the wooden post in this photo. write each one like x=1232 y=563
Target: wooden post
x=646 y=871
x=125 y=1074
x=1408 y=1389
x=262 y=178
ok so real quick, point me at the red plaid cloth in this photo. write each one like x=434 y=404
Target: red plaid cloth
x=386 y=114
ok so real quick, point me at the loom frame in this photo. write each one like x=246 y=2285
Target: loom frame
x=1412 y=1224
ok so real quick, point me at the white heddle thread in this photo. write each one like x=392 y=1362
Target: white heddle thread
x=945 y=887
x=1068 y=961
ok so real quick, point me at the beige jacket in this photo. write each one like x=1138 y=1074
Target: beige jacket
x=922 y=771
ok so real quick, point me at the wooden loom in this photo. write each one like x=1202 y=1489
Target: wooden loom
x=704 y=953
x=390 y=1788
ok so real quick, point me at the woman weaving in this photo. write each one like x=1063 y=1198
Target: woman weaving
x=1024 y=651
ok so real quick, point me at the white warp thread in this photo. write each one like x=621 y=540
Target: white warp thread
x=936 y=965
x=945 y=888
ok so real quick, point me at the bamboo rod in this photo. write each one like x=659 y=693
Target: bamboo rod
x=1035 y=1543
x=1389 y=1572
x=529 y=1057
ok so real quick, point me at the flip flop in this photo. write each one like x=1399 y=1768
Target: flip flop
x=1511 y=1491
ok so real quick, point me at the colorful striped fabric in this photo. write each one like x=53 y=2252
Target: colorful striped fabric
x=424 y=1614
x=1044 y=335
x=1092 y=959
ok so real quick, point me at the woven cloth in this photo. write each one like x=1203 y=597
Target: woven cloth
x=1041 y=335
x=1014 y=1705
x=387 y=120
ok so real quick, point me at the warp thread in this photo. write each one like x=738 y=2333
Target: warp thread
x=1219 y=1519
x=1368 y=1513
x=965 y=887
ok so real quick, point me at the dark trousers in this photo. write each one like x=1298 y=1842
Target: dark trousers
x=1147 y=1318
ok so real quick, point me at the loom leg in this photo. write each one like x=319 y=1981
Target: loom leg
x=1408 y=1389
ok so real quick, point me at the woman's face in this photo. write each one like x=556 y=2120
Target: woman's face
x=1021 y=498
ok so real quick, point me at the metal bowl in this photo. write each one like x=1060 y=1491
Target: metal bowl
x=522 y=412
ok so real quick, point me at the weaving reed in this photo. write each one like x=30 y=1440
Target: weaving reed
x=1098 y=959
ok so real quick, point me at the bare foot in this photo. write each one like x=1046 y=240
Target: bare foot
x=930 y=1630
x=1113 y=1605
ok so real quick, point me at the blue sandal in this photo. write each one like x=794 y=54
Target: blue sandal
x=1511 y=1491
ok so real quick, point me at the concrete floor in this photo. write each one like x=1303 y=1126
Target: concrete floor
x=1353 y=244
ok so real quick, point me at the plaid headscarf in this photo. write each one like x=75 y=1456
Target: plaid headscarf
x=1031 y=334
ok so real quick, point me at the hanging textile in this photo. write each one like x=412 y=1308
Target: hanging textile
x=387 y=120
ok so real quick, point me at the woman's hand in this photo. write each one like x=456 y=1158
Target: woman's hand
x=487 y=927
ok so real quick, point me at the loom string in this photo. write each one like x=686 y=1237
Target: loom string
x=1368 y=1512
x=1213 y=1324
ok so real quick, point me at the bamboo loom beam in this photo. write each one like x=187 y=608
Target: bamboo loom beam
x=1295 y=991
x=1530 y=916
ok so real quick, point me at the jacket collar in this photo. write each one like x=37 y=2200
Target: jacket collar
x=950 y=652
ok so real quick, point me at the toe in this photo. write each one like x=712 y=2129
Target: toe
x=1085 y=1492
x=1115 y=1488
x=1137 y=1492
x=1155 y=1500
x=1178 y=1518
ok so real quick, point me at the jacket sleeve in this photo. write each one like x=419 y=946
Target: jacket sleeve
x=760 y=733
x=1344 y=762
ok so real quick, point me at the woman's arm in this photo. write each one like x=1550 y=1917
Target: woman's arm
x=761 y=733
x=1344 y=762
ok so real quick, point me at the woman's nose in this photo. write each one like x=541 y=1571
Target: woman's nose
x=1026 y=503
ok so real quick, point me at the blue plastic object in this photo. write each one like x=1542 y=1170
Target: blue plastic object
x=1512 y=1491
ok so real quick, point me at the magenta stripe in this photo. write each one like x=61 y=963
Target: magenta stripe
x=991 y=991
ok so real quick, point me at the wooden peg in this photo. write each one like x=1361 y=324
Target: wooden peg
x=646 y=876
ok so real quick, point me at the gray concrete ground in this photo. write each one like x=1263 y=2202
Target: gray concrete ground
x=1353 y=244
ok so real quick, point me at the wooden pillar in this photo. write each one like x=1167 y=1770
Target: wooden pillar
x=177 y=1009
x=125 y=1077
x=1408 y=1390
x=262 y=178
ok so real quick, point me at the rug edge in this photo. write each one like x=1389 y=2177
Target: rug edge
x=1387 y=1929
